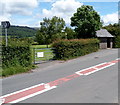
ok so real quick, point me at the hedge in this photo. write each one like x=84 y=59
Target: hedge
x=16 y=55
x=67 y=49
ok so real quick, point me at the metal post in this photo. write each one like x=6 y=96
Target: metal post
x=34 y=55
x=6 y=36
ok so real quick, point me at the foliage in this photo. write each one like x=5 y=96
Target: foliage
x=40 y=46
x=115 y=31
x=66 y=49
x=70 y=33
x=20 y=31
x=117 y=42
x=15 y=70
x=12 y=56
x=50 y=30
x=58 y=36
x=86 y=21
x=18 y=42
x=16 y=55
x=40 y=38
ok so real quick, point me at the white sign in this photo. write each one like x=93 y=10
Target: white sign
x=40 y=54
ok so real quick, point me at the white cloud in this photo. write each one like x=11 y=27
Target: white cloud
x=110 y=18
x=46 y=0
x=83 y=0
x=63 y=9
x=13 y=7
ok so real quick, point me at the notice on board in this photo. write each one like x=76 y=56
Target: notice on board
x=40 y=54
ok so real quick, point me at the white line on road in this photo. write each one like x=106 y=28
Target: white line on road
x=21 y=90
x=47 y=87
x=34 y=94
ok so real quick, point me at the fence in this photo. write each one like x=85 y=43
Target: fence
x=42 y=55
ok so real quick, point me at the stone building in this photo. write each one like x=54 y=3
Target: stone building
x=106 y=39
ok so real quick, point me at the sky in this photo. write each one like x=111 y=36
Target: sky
x=31 y=12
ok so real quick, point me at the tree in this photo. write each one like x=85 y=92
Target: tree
x=115 y=31
x=86 y=21
x=70 y=33
x=49 y=29
x=40 y=38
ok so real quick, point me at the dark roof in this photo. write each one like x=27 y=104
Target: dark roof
x=103 y=33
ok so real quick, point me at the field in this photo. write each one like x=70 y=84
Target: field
x=47 y=53
x=40 y=46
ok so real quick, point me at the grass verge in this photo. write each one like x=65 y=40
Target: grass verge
x=15 y=70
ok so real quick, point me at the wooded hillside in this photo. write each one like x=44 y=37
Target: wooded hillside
x=20 y=31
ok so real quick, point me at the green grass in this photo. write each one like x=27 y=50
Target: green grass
x=15 y=70
x=40 y=46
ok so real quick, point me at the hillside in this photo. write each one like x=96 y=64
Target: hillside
x=20 y=31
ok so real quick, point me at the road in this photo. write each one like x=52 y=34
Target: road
x=92 y=78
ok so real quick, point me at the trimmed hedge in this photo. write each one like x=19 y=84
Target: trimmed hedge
x=67 y=49
x=16 y=55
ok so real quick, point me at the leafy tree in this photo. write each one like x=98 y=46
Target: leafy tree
x=70 y=33
x=40 y=38
x=115 y=31
x=49 y=30
x=86 y=21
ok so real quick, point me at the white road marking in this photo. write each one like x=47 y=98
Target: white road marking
x=2 y=100
x=78 y=72
x=98 y=69
x=47 y=87
x=21 y=90
x=95 y=67
x=34 y=94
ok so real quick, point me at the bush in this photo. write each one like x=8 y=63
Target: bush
x=15 y=70
x=18 y=42
x=66 y=49
x=117 y=42
x=16 y=57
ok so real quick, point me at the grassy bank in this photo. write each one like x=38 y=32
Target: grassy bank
x=17 y=69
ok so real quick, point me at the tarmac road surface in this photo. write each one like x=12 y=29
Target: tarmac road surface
x=92 y=78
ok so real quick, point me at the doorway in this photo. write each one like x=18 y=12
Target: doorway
x=108 y=43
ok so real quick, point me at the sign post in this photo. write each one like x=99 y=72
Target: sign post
x=5 y=25
x=6 y=36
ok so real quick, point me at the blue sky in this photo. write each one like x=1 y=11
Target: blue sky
x=31 y=12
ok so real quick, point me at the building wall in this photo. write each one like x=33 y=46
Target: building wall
x=111 y=43
x=104 y=43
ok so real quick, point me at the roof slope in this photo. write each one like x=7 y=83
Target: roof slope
x=103 y=33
